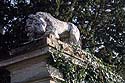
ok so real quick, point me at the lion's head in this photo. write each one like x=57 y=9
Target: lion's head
x=35 y=26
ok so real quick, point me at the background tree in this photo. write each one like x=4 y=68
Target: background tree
x=103 y=32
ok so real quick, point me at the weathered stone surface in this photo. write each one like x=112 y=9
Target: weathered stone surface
x=44 y=81
x=30 y=62
x=41 y=23
x=25 y=56
x=33 y=72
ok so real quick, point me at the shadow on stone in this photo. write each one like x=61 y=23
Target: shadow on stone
x=4 y=76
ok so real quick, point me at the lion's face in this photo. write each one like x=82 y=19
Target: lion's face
x=35 y=24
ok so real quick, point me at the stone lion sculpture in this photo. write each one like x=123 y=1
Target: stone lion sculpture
x=42 y=23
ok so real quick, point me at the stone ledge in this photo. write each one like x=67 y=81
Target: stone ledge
x=25 y=56
x=29 y=63
x=43 y=46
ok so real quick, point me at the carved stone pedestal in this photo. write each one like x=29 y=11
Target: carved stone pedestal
x=29 y=63
x=32 y=67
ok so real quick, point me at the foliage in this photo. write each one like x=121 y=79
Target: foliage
x=103 y=32
x=93 y=70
